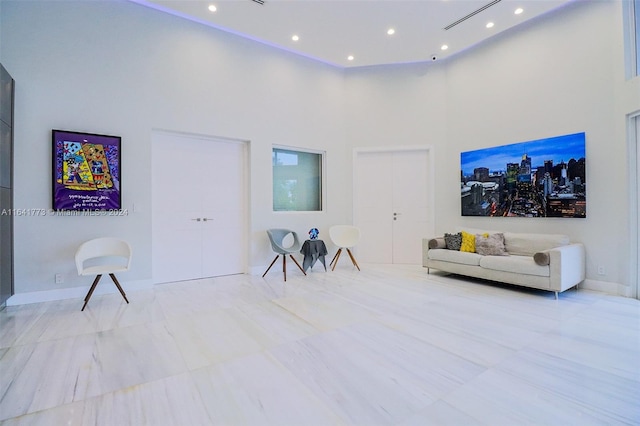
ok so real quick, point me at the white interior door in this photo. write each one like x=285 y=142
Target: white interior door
x=198 y=199
x=391 y=204
x=410 y=205
x=373 y=192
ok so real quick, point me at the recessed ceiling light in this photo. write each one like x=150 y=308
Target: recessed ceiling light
x=444 y=47
x=490 y=24
x=212 y=8
x=350 y=58
x=518 y=11
x=391 y=31
x=295 y=37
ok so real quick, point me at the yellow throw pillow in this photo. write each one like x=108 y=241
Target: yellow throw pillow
x=469 y=242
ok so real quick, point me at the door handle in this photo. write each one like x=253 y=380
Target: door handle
x=197 y=219
x=207 y=218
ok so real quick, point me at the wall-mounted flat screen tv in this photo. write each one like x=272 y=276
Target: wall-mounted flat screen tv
x=538 y=178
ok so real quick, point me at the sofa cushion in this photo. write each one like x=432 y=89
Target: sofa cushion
x=516 y=264
x=492 y=245
x=453 y=241
x=455 y=256
x=529 y=244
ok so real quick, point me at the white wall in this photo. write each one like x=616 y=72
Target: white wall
x=119 y=68
x=557 y=75
x=537 y=84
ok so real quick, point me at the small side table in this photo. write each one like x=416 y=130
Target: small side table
x=313 y=250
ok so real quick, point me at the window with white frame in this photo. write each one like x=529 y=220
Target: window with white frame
x=297 y=180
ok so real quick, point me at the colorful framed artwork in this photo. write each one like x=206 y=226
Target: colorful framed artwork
x=86 y=171
x=539 y=178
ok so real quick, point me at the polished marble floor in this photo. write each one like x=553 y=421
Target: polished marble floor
x=389 y=345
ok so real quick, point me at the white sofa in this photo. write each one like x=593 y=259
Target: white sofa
x=543 y=261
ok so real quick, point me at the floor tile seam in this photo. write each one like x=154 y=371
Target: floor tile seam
x=169 y=316
x=177 y=344
x=564 y=360
x=611 y=298
x=374 y=311
x=180 y=314
x=558 y=332
x=568 y=397
x=537 y=337
x=188 y=374
x=384 y=283
x=462 y=333
x=268 y=353
x=23 y=332
x=17 y=375
x=184 y=366
x=44 y=410
x=96 y=398
x=484 y=304
x=256 y=325
x=284 y=309
x=540 y=338
x=445 y=398
x=529 y=314
x=615 y=317
x=392 y=286
x=486 y=328
x=31 y=318
x=131 y=326
x=53 y=340
x=441 y=348
x=513 y=411
x=9 y=346
x=620 y=374
x=41 y=339
x=451 y=399
x=582 y=307
x=386 y=359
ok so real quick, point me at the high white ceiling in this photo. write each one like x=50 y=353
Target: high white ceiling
x=332 y=30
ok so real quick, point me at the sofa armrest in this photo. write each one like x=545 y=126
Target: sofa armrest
x=430 y=244
x=567 y=266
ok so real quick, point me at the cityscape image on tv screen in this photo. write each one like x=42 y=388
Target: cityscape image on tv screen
x=539 y=178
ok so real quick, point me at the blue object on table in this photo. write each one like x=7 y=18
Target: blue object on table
x=313 y=233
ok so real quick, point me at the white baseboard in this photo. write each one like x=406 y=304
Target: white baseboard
x=76 y=292
x=259 y=270
x=614 y=289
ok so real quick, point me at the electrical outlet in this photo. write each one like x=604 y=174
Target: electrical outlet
x=59 y=279
x=601 y=270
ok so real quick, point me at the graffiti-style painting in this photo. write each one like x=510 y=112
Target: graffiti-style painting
x=86 y=171
x=541 y=178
